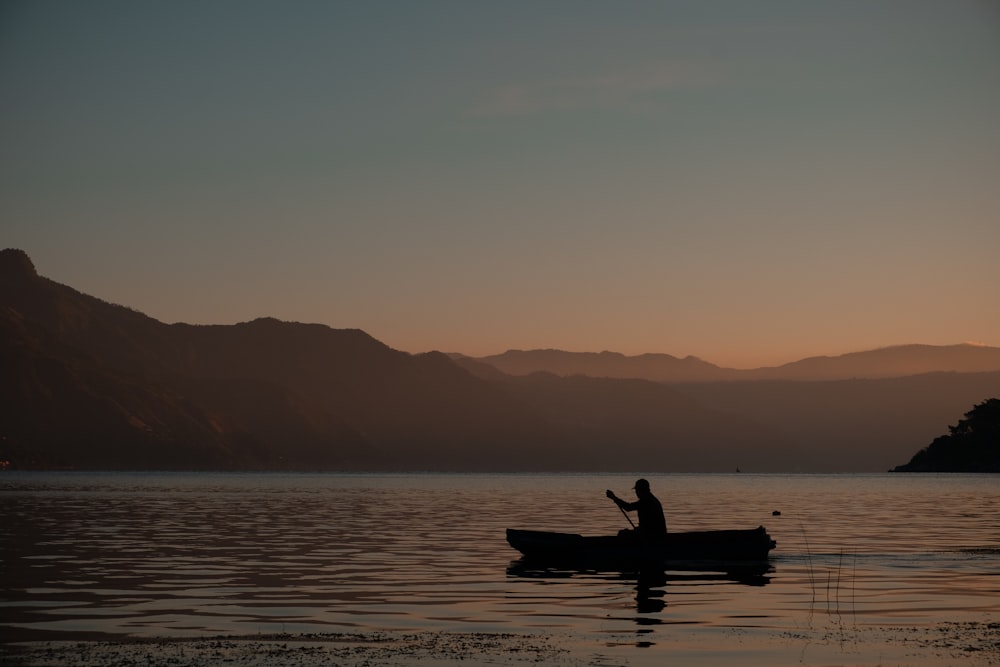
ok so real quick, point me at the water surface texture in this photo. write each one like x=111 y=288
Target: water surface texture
x=196 y=555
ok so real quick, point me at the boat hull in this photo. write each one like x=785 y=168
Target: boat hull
x=708 y=548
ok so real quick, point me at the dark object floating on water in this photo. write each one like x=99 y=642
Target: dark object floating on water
x=706 y=549
x=776 y=513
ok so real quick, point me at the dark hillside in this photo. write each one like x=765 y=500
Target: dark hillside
x=637 y=424
x=67 y=410
x=852 y=425
x=89 y=384
x=93 y=384
x=972 y=445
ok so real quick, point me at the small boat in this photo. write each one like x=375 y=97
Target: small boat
x=705 y=549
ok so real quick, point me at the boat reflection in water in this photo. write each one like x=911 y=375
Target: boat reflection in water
x=651 y=580
x=738 y=556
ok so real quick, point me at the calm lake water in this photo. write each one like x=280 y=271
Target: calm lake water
x=192 y=555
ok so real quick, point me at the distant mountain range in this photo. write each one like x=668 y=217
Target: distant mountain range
x=93 y=385
x=888 y=362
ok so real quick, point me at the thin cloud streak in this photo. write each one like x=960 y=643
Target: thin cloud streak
x=634 y=91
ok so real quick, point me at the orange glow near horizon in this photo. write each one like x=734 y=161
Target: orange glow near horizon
x=732 y=185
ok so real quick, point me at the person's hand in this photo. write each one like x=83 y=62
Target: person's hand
x=610 y=494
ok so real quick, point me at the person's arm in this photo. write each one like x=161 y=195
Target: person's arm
x=629 y=507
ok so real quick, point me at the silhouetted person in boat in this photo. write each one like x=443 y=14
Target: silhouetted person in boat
x=652 y=526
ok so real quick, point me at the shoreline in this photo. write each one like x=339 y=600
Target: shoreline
x=957 y=643
x=437 y=649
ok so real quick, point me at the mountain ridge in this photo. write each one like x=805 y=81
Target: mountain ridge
x=94 y=385
x=361 y=403
x=886 y=362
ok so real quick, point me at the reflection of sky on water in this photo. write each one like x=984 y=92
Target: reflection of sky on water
x=195 y=555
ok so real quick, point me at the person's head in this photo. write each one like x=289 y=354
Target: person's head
x=641 y=488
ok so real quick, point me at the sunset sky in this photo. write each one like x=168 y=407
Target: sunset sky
x=746 y=182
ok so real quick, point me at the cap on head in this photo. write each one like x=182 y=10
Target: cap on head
x=641 y=484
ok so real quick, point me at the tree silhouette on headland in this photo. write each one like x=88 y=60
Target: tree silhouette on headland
x=972 y=445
